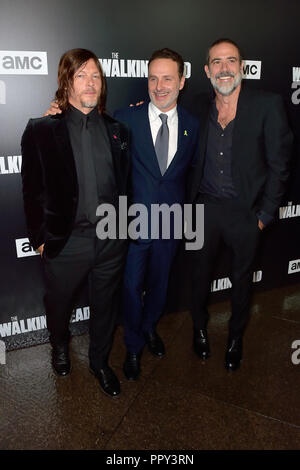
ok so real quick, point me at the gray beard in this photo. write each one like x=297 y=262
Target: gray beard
x=226 y=92
x=89 y=104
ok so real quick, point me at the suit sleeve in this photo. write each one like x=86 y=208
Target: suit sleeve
x=278 y=146
x=33 y=187
x=119 y=116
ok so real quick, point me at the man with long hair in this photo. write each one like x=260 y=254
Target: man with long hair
x=72 y=162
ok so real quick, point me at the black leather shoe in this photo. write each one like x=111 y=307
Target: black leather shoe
x=60 y=359
x=131 y=366
x=201 y=344
x=108 y=380
x=233 y=355
x=155 y=344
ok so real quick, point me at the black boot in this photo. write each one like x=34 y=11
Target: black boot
x=233 y=355
x=131 y=366
x=60 y=359
x=201 y=344
x=155 y=344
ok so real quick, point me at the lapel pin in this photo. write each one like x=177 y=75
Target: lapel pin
x=185 y=133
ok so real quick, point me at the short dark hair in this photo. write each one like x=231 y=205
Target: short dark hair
x=69 y=63
x=229 y=41
x=167 y=53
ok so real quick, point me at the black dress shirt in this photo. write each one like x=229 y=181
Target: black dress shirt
x=217 y=179
x=101 y=178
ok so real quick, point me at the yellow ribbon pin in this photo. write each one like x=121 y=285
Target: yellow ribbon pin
x=185 y=133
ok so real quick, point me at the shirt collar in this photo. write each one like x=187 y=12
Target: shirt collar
x=73 y=114
x=154 y=112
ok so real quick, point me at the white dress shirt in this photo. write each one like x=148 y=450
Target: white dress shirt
x=155 y=124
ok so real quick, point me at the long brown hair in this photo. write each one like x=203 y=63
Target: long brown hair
x=68 y=65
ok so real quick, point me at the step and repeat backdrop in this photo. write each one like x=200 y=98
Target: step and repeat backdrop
x=34 y=34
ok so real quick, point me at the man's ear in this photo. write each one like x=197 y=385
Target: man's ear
x=207 y=71
x=182 y=81
x=242 y=66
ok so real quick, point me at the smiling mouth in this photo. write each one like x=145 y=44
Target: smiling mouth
x=161 y=95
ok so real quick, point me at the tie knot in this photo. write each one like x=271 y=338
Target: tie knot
x=84 y=121
x=164 y=118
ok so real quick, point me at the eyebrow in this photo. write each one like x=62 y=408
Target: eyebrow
x=219 y=58
x=164 y=76
x=83 y=71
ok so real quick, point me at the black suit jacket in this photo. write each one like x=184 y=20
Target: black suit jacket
x=50 y=186
x=261 y=148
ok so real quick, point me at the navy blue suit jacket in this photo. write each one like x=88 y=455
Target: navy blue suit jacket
x=147 y=184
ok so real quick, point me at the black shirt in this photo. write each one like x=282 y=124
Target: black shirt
x=217 y=179
x=101 y=178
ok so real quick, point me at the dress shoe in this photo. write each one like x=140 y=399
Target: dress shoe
x=60 y=359
x=108 y=380
x=155 y=344
x=131 y=367
x=233 y=355
x=201 y=344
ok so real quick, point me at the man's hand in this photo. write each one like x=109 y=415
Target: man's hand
x=137 y=104
x=54 y=109
x=40 y=249
x=260 y=225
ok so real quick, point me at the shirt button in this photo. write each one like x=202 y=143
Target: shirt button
x=221 y=153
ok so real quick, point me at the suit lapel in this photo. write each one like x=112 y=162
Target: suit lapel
x=182 y=141
x=143 y=131
x=117 y=144
x=240 y=122
x=204 y=116
x=62 y=139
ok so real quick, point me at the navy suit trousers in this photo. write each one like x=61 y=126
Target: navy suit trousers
x=145 y=288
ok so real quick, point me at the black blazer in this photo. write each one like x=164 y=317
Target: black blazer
x=50 y=186
x=261 y=149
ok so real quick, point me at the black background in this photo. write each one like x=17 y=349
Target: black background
x=266 y=30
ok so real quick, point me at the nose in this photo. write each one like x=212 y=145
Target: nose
x=91 y=81
x=159 y=84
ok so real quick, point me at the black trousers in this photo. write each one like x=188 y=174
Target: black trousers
x=102 y=262
x=228 y=221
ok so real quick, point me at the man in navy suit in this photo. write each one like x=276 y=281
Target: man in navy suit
x=157 y=124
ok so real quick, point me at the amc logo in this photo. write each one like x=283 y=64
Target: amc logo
x=24 y=248
x=252 y=69
x=294 y=266
x=23 y=63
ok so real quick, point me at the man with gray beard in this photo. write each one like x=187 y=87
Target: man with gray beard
x=240 y=177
